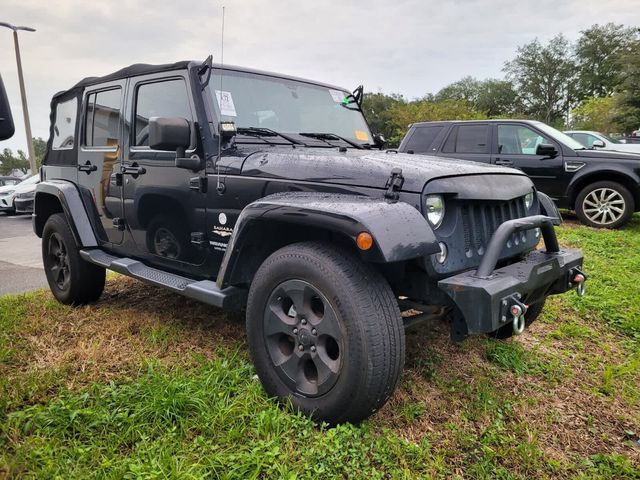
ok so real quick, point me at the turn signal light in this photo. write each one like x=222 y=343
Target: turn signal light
x=364 y=241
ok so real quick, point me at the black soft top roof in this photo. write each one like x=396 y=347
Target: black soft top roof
x=144 y=68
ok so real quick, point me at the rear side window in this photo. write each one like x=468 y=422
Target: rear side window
x=102 y=119
x=468 y=139
x=64 y=128
x=160 y=99
x=422 y=138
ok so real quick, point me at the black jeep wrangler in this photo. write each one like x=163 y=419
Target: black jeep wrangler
x=246 y=189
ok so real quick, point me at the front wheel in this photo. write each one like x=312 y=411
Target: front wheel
x=71 y=279
x=325 y=331
x=605 y=205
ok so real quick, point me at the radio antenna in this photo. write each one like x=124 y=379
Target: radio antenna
x=218 y=184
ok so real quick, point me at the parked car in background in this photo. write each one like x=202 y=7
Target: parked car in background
x=602 y=186
x=599 y=140
x=8 y=193
x=23 y=199
x=7 y=181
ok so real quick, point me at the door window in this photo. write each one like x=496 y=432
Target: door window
x=468 y=139
x=102 y=119
x=168 y=98
x=518 y=140
x=585 y=139
x=422 y=138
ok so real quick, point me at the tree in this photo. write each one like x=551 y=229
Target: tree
x=377 y=110
x=544 y=77
x=597 y=53
x=10 y=162
x=597 y=113
x=629 y=89
x=465 y=89
x=498 y=98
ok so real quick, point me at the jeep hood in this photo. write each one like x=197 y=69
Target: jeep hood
x=361 y=168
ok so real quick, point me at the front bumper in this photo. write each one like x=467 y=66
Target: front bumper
x=485 y=296
x=24 y=205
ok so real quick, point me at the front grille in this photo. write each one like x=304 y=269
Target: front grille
x=480 y=219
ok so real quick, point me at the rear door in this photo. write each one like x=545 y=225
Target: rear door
x=100 y=155
x=468 y=141
x=515 y=146
x=163 y=211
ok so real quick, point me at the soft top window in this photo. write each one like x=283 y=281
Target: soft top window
x=64 y=127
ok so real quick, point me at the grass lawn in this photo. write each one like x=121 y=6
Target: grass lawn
x=146 y=384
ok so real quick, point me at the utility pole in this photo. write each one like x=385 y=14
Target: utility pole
x=23 y=93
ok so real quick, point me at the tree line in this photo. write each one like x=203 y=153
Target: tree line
x=18 y=162
x=591 y=84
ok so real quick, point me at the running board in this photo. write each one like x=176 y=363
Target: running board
x=202 y=290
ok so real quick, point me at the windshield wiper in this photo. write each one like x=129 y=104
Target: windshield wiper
x=267 y=132
x=333 y=136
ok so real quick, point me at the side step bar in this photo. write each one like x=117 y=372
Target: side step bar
x=202 y=290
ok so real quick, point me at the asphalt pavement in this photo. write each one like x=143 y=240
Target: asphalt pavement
x=20 y=256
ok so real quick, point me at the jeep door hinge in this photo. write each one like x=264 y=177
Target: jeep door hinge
x=118 y=223
x=394 y=185
x=198 y=184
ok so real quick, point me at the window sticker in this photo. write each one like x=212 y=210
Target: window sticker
x=225 y=102
x=337 y=95
x=360 y=135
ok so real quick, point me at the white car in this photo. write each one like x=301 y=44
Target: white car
x=600 y=141
x=9 y=192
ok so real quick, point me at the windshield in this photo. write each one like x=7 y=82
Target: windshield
x=31 y=180
x=612 y=140
x=559 y=136
x=285 y=106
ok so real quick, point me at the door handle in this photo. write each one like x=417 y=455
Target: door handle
x=87 y=167
x=133 y=169
x=503 y=162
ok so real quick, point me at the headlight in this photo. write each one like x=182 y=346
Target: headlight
x=528 y=200
x=9 y=192
x=435 y=209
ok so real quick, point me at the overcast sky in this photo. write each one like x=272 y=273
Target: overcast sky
x=410 y=47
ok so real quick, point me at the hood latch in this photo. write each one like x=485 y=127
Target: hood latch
x=394 y=185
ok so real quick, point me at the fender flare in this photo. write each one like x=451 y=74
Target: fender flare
x=399 y=230
x=73 y=208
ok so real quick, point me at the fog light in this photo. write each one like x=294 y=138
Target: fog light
x=441 y=256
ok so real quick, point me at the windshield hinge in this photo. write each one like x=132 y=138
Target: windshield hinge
x=394 y=185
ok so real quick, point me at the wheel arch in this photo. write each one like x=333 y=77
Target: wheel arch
x=60 y=196
x=400 y=233
x=629 y=181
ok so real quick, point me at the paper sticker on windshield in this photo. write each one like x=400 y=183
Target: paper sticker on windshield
x=337 y=95
x=225 y=102
x=360 y=135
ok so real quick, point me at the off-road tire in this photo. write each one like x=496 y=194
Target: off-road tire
x=588 y=199
x=372 y=348
x=82 y=282
x=534 y=311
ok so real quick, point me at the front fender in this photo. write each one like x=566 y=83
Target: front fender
x=602 y=172
x=399 y=231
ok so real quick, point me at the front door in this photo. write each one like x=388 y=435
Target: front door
x=516 y=146
x=100 y=155
x=164 y=214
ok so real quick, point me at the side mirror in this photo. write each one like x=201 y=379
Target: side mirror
x=379 y=140
x=7 y=128
x=169 y=133
x=598 y=144
x=546 y=150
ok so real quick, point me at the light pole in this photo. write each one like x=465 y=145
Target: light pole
x=27 y=124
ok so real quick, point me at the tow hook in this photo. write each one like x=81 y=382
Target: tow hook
x=578 y=278
x=517 y=312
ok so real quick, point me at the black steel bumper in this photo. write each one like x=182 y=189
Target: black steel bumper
x=485 y=296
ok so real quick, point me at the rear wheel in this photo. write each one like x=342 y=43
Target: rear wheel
x=325 y=331
x=70 y=278
x=605 y=205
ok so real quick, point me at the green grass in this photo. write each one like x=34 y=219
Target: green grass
x=165 y=389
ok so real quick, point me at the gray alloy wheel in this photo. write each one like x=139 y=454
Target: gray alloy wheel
x=604 y=206
x=303 y=337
